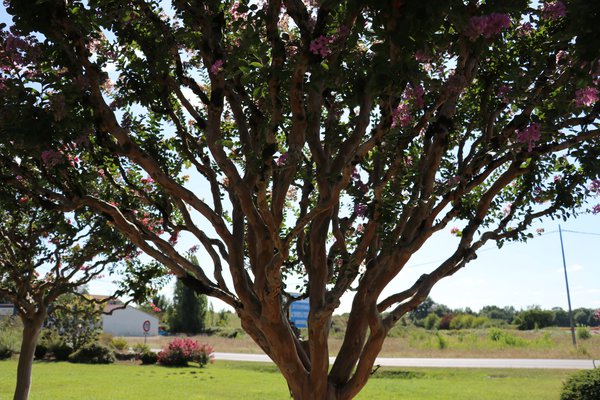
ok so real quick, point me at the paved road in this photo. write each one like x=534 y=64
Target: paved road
x=445 y=362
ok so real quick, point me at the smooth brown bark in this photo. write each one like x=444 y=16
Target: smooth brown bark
x=31 y=331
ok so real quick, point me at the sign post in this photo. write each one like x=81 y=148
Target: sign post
x=299 y=313
x=146 y=327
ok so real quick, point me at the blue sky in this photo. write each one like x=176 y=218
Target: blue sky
x=519 y=274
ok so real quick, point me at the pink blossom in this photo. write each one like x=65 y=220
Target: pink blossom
x=360 y=228
x=455 y=84
x=596 y=209
x=147 y=181
x=557 y=178
x=422 y=56
x=560 y=56
x=586 y=97
x=52 y=158
x=235 y=14
x=597 y=314
x=415 y=94
x=320 y=46
x=401 y=115
x=23 y=199
x=507 y=209
x=503 y=91
x=595 y=185
x=554 y=10
x=173 y=239
x=529 y=135
x=525 y=29
x=360 y=209
x=282 y=159
x=539 y=231
x=487 y=25
x=217 y=67
x=454 y=230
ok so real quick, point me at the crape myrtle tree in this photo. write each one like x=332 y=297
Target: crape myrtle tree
x=326 y=140
x=45 y=254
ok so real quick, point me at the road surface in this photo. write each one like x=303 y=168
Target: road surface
x=533 y=363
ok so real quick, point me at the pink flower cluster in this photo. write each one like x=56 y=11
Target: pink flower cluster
x=414 y=94
x=282 y=159
x=235 y=13
x=487 y=25
x=503 y=92
x=595 y=185
x=52 y=158
x=401 y=115
x=525 y=29
x=320 y=46
x=217 y=67
x=360 y=209
x=554 y=10
x=529 y=135
x=586 y=97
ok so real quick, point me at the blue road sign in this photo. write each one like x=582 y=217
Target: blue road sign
x=299 y=313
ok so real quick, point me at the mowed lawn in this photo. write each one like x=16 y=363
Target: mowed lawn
x=249 y=381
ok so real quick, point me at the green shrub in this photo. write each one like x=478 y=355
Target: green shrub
x=583 y=333
x=442 y=341
x=5 y=352
x=125 y=356
x=583 y=385
x=431 y=321
x=61 y=351
x=140 y=348
x=93 y=353
x=40 y=351
x=505 y=338
x=10 y=337
x=462 y=321
x=119 y=344
x=149 y=357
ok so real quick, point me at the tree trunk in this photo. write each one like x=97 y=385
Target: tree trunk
x=31 y=332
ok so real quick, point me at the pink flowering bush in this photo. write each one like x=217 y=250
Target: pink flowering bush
x=529 y=135
x=487 y=25
x=181 y=351
x=554 y=10
x=320 y=46
x=586 y=97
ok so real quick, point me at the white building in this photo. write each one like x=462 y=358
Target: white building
x=128 y=321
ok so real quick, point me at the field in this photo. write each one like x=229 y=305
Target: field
x=417 y=342
x=255 y=381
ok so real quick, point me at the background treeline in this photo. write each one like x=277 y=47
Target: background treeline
x=432 y=315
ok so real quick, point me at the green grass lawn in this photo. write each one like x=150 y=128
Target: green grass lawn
x=249 y=381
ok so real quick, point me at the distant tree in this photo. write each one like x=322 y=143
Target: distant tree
x=561 y=317
x=584 y=316
x=494 y=312
x=423 y=309
x=76 y=319
x=189 y=310
x=534 y=318
x=45 y=254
